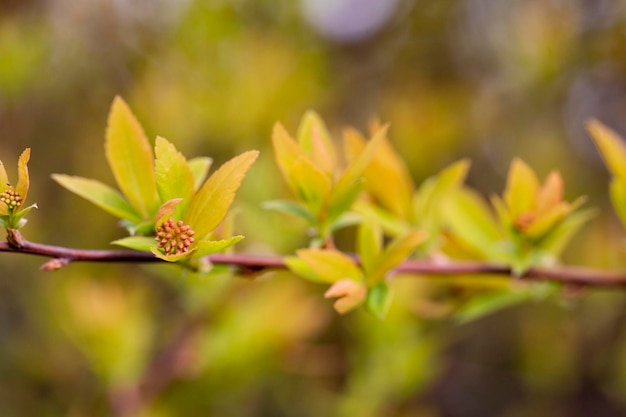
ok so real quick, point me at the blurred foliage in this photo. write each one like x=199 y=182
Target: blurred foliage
x=467 y=78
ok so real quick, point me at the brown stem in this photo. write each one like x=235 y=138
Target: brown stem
x=572 y=275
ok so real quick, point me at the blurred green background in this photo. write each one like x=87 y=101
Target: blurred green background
x=469 y=78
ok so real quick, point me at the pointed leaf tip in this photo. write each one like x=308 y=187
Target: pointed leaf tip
x=611 y=147
x=129 y=155
x=210 y=205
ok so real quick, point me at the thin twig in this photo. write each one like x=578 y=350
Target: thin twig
x=572 y=275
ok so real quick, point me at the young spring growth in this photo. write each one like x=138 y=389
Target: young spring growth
x=12 y=199
x=529 y=208
x=323 y=188
x=185 y=224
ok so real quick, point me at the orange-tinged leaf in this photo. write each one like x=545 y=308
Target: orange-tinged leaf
x=130 y=158
x=286 y=152
x=166 y=210
x=23 y=181
x=548 y=220
x=4 y=178
x=610 y=145
x=349 y=293
x=551 y=193
x=314 y=139
x=394 y=254
x=211 y=203
x=103 y=196
x=174 y=178
x=387 y=176
x=521 y=188
x=330 y=265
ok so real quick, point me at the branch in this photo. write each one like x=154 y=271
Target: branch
x=572 y=275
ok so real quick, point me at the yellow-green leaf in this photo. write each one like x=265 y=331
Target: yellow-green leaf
x=23 y=181
x=302 y=269
x=521 y=188
x=556 y=240
x=394 y=254
x=314 y=138
x=354 y=171
x=99 y=194
x=200 y=168
x=171 y=258
x=618 y=197
x=310 y=184
x=330 y=265
x=610 y=145
x=210 y=205
x=130 y=158
x=207 y=247
x=174 y=178
x=142 y=243
x=471 y=221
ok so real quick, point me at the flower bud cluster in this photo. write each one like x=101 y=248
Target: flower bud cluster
x=174 y=238
x=11 y=198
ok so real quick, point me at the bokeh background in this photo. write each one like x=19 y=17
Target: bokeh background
x=467 y=78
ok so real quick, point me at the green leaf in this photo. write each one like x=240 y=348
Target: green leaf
x=369 y=243
x=379 y=300
x=130 y=158
x=23 y=181
x=210 y=205
x=394 y=254
x=99 y=194
x=483 y=305
x=471 y=221
x=174 y=178
x=207 y=247
x=290 y=207
x=141 y=243
x=611 y=147
x=330 y=265
x=200 y=168
x=521 y=188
